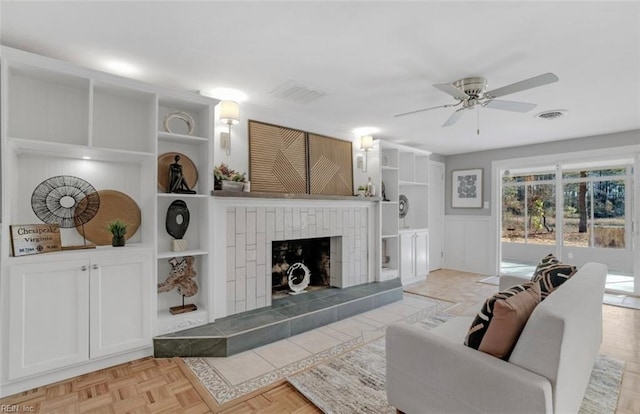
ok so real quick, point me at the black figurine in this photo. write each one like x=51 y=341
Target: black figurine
x=177 y=183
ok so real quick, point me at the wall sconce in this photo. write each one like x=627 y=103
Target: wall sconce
x=230 y=115
x=366 y=145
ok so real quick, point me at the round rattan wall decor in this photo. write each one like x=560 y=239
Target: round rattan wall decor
x=113 y=205
x=65 y=200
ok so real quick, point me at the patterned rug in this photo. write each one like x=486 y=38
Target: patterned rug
x=354 y=383
x=224 y=389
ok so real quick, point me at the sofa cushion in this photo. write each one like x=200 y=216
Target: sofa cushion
x=483 y=318
x=551 y=273
x=509 y=317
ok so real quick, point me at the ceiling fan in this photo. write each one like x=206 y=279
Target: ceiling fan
x=471 y=93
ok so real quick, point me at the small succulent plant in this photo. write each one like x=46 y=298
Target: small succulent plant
x=117 y=227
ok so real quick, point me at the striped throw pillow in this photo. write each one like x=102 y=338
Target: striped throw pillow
x=482 y=320
x=551 y=273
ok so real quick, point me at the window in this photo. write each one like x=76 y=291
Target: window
x=594 y=208
x=529 y=208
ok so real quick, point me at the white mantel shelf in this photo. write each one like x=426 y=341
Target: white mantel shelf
x=290 y=196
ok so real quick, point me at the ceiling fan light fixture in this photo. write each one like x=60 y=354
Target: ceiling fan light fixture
x=552 y=114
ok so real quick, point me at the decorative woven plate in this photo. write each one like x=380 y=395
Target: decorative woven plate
x=189 y=170
x=65 y=200
x=403 y=205
x=113 y=205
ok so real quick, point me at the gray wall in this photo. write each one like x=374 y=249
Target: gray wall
x=483 y=159
x=438 y=157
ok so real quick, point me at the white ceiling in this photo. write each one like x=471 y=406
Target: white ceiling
x=372 y=59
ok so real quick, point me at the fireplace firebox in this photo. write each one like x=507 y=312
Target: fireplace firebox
x=300 y=265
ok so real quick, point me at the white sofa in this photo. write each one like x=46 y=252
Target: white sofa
x=547 y=372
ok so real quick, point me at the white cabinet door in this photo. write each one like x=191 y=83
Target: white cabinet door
x=421 y=254
x=407 y=259
x=414 y=254
x=121 y=288
x=48 y=316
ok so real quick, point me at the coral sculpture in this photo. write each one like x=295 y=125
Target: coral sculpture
x=180 y=276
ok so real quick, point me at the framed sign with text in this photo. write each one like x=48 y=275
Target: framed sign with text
x=34 y=238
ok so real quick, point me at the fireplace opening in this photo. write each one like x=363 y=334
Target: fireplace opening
x=299 y=266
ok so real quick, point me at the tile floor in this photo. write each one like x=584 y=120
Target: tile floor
x=244 y=372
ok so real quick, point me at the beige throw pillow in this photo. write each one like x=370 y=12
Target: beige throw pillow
x=509 y=317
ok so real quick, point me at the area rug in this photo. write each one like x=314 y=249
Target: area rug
x=355 y=383
x=223 y=390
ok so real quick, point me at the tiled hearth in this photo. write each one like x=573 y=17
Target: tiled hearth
x=251 y=230
x=284 y=318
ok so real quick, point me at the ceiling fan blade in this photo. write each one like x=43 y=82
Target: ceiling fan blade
x=534 y=82
x=509 y=105
x=454 y=117
x=421 y=110
x=449 y=89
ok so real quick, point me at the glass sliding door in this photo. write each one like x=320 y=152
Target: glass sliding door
x=594 y=222
x=595 y=214
x=529 y=209
x=528 y=215
x=596 y=218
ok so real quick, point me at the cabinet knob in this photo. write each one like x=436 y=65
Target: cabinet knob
x=84 y=268
x=95 y=267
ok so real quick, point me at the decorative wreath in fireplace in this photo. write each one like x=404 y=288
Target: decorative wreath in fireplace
x=298 y=276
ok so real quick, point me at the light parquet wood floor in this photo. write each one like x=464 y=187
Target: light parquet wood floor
x=163 y=386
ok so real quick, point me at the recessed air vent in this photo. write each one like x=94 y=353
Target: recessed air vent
x=553 y=114
x=296 y=92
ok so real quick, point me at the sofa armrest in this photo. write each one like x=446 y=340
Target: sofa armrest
x=428 y=373
x=507 y=281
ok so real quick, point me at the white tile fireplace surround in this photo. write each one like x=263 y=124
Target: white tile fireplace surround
x=252 y=224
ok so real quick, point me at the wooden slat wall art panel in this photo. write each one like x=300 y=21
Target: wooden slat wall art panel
x=330 y=166
x=277 y=159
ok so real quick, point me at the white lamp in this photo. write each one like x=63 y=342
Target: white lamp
x=230 y=115
x=366 y=145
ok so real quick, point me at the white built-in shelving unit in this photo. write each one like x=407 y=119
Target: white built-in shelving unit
x=403 y=171
x=70 y=312
x=197 y=147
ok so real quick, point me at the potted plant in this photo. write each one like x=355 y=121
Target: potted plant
x=118 y=229
x=362 y=190
x=228 y=179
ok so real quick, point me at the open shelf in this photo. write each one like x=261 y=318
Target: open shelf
x=412 y=183
x=180 y=138
x=179 y=195
x=122 y=118
x=195 y=252
x=71 y=151
x=48 y=106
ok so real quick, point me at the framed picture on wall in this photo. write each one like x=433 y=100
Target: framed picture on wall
x=466 y=188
